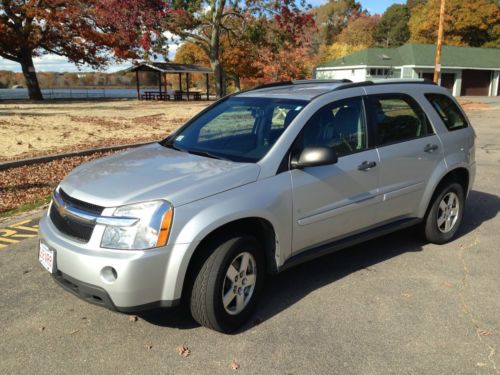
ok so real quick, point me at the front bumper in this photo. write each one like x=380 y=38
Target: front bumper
x=141 y=275
x=98 y=296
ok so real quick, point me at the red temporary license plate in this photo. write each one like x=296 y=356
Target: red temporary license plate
x=46 y=257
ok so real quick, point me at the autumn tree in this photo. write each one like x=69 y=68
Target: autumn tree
x=205 y=22
x=331 y=18
x=356 y=36
x=472 y=23
x=190 y=53
x=392 y=30
x=86 y=32
x=359 y=32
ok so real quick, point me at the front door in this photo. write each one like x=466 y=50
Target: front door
x=332 y=201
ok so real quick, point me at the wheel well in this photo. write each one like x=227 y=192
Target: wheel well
x=260 y=228
x=460 y=175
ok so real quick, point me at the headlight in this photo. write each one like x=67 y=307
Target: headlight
x=151 y=230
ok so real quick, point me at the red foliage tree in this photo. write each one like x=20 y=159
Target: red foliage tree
x=209 y=23
x=86 y=32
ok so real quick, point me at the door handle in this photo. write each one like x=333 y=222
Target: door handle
x=367 y=165
x=430 y=148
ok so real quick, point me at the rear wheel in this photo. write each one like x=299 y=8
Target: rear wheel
x=227 y=286
x=445 y=214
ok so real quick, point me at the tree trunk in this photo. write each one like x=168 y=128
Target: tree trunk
x=237 y=83
x=217 y=7
x=30 y=76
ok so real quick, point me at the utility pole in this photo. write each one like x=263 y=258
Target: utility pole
x=437 y=65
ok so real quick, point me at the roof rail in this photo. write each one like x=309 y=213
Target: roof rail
x=314 y=81
x=300 y=82
x=384 y=82
x=274 y=84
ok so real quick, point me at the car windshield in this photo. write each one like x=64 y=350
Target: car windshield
x=240 y=129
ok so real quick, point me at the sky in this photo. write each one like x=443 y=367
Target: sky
x=54 y=63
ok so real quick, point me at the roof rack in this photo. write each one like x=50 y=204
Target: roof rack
x=300 y=82
x=396 y=81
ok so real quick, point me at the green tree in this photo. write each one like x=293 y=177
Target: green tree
x=472 y=23
x=392 y=30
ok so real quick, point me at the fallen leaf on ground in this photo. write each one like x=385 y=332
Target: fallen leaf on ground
x=235 y=365
x=406 y=295
x=183 y=350
x=133 y=318
x=483 y=332
x=74 y=331
x=148 y=346
x=42 y=328
x=36 y=182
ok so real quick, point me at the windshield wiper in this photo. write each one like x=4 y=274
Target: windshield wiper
x=205 y=153
x=194 y=152
x=172 y=146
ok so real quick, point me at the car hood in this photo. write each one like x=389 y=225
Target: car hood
x=155 y=172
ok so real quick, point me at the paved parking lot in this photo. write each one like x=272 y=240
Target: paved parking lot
x=394 y=305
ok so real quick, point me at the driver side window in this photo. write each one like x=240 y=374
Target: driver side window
x=340 y=125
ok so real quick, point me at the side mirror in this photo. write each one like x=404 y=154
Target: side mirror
x=314 y=157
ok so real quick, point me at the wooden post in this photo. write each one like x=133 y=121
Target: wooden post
x=166 y=85
x=208 y=96
x=187 y=85
x=159 y=81
x=437 y=66
x=180 y=82
x=137 y=85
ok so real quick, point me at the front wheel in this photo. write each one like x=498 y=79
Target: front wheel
x=445 y=215
x=227 y=286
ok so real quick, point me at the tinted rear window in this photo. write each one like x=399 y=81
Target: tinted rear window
x=448 y=111
x=398 y=118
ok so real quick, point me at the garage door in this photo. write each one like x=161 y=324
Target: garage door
x=448 y=80
x=476 y=82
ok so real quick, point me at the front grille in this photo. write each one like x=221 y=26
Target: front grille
x=69 y=226
x=89 y=207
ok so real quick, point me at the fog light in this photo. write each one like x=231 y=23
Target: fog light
x=108 y=274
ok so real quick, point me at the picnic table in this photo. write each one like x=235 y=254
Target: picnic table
x=155 y=95
x=179 y=95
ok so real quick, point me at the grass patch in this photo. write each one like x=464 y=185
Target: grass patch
x=25 y=207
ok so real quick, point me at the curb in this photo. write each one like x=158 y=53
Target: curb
x=44 y=159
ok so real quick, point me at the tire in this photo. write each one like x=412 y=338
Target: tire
x=207 y=304
x=451 y=197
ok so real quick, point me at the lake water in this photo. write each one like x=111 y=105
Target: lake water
x=70 y=93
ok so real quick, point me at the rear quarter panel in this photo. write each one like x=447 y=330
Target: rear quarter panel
x=457 y=145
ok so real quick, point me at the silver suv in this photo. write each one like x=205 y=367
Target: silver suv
x=258 y=182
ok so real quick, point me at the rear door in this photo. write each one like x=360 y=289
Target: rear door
x=332 y=201
x=409 y=152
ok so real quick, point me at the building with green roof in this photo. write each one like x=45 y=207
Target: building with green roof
x=464 y=70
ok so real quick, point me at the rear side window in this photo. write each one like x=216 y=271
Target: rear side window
x=398 y=118
x=448 y=111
